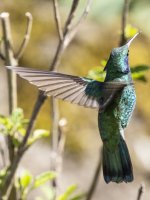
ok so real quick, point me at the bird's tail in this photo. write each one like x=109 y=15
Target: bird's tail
x=117 y=166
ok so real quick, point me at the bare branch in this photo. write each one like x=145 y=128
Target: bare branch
x=61 y=46
x=84 y=14
x=55 y=119
x=2 y=56
x=26 y=36
x=125 y=13
x=95 y=178
x=57 y=19
x=141 y=191
x=57 y=152
x=2 y=153
x=9 y=60
x=74 y=29
x=32 y=120
x=62 y=135
x=71 y=16
x=12 y=82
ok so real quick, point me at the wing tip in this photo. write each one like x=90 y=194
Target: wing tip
x=13 y=68
x=9 y=67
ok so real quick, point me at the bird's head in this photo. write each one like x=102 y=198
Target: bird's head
x=118 y=60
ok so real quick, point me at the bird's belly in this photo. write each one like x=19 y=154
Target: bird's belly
x=125 y=105
x=117 y=115
x=109 y=125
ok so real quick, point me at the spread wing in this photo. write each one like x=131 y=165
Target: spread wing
x=78 y=90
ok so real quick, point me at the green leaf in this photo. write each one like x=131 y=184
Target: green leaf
x=3 y=173
x=78 y=197
x=24 y=180
x=38 y=134
x=16 y=141
x=17 y=115
x=3 y=121
x=43 y=178
x=140 y=68
x=6 y=124
x=70 y=190
x=97 y=74
x=130 y=31
x=13 y=125
x=138 y=72
x=103 y=63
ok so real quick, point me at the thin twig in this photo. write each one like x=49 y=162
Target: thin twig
x=84 y=14
x=2 y=153
x=2 y=56
x=55 y=120
x=33 y=118
x=9 y=60
x=57 y=154
x=125 y=13
x=71 y=16
x=95 y=178
x=61 y=45
x=57 y=19
x=12 y=79
x=56 y=157
x=62 y=135
x=141 y=191
x=26 y=36
x=74 y=29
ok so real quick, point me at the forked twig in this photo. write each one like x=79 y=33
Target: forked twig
x=12 y=82
x=26 y=36
x=71 y=16
x=83 y=16
x=74 y=28
x=9 y=59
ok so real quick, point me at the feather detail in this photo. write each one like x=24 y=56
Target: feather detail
x=78 y=90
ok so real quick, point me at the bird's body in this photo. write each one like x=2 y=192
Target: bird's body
x=117 y=165
x=114 y=98
x=112 y=122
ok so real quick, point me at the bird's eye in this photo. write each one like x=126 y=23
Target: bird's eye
x=128 y=53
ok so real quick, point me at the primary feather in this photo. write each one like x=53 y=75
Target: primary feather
x=82 y=91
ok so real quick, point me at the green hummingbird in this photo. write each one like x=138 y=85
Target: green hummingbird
x=114 y=98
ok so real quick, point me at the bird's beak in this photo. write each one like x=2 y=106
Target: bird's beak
x=130 y=41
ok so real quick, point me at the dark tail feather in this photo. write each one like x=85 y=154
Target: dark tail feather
x=117 y=166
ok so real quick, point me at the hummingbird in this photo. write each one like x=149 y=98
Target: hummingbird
x=114 y=99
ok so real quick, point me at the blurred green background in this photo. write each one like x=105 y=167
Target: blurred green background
x=93 y=43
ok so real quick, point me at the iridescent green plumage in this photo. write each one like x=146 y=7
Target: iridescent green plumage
x=117 y=165
x=114 y=98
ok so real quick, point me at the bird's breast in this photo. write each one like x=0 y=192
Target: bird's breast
x=125 y=104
